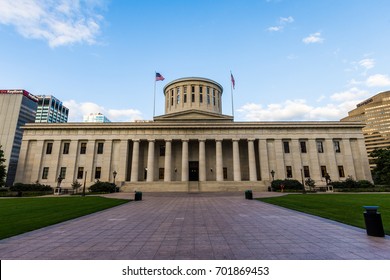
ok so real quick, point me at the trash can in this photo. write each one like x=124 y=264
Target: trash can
x=138 y=196
x=248 y=194
x=373 y=221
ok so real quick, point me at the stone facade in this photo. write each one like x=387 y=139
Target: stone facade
x=192 y=149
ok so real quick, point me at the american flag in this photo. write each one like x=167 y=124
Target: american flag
x=159 y=77
x=233 y=81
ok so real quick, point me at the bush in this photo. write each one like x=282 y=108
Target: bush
x=349 y=183
x=288 y=185
x=102 y=187
x=20 y=187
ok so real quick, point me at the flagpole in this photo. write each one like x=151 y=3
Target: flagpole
x=154 y=96
x=231 y=92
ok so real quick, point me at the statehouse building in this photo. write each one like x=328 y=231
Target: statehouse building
x=192 y=147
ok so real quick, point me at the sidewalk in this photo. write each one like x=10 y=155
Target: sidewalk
x=196 y=226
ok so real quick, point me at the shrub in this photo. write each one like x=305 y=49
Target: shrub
x=20 y=187
x=288 y=184
x=102 y=187
x=349 y=183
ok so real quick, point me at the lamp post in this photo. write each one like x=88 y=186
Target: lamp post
x=114 y=175
x=273 y=177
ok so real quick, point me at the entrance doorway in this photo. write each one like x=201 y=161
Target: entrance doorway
x=193 y=170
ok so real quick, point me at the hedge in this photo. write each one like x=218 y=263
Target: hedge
x=20 y=187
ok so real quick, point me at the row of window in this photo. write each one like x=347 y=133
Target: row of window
x=83 y=148
x=319 y=145
x=211 y=95
x=80 y=172
x=306 y=171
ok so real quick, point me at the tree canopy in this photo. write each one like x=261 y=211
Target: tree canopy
x=381 y=173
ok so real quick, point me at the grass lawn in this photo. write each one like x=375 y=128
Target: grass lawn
x=345 y=208
x=19 y=215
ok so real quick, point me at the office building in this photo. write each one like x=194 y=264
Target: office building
x=17 y=107
x=51 y=110
x=96 y=118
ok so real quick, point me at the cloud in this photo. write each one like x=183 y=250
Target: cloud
x=63 y=22
x=313 y=38
x=378 y=80
x=367 y=63
x=78 y=110
x=297 y=110
x=283 y=21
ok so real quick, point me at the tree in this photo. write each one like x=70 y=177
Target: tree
x=381 y=173
x=310 y=183
x=76 y=185
x=3 y=171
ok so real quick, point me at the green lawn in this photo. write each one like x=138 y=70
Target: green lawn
x=345 y=208
x=19 y=215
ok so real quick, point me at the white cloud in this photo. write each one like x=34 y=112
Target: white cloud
x=63 y=22
x=295 y=110
x=378 y=80
x=283 y=21
x=313 y=38
x=367 y=63
x=78 y=110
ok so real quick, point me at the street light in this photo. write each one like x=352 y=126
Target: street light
x=273 y=177
x=85 y=178
x=114 y=174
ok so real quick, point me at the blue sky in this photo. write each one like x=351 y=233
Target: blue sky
x=291 y=59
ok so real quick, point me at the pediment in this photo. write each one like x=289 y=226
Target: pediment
x=193 y=115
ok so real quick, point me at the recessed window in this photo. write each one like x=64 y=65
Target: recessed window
x=225 y=173
x=185 y=98
x=336 y=145
x=100 y=148
x=192 y=98
x=65 y=149
x=288 y=171
x=303 y=147
x=49 y=148
x=306 y=171
x=320 y=146
x=341 y=171
x=200 y=89
x=323 y=171
x=63 y=172
x=200 y=98
x=161 y=173
x=98 y=171
x=162 y=150
x=286 y=147
x=83 y=148
x=45 y=172
x=80 y=173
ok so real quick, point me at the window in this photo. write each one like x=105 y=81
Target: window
x=161 y=173
x=208 y=98
x=213 y=98
x=184 y=89
x=98 y=171
x=200 y=89
x=185 y=98
x=63 y=172
x=178 y=98
x=336 y=145
x=341 y=171
x=192 y=97
x=80 y=173
x=83 y=148
x=286 y=147
x=45 y=172
x=192 y=88
x=306 y=171
x=49 y=148
x=323 y=171
x=100 y=148
x=288 y=171
x=201 y=98
x=225 y=173
x=303 y=147
x=320 y=146
x=162 y=150
x=65 y=150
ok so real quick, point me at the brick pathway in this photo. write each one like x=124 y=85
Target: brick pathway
x=196 y=226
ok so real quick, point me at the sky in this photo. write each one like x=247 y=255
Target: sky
x=292 y=60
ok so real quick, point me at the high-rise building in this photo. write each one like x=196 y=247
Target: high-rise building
x=375 y=113
x=17 y=107
x=96 y=117
x=51 y=110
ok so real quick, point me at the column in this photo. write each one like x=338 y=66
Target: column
x=296 y=159
x=202 y=160
x=135 y=161
x=349 y=167
x=106 y=164
x=150 y=171
x=168 y=161
x=263 y=158
x=315 y=171
x=184 y=161
x=122 y=167
x=236 y=161
x=219 y=160
x=331 y=165
x=252 y=160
